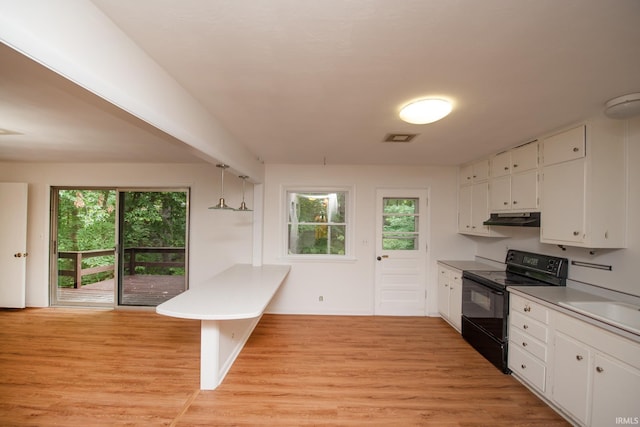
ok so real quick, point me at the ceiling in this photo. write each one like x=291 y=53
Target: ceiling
x=314 y=82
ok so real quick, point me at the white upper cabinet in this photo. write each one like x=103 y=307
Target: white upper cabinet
x=524 y=158
x=474 y=172
x=584 y=194
x=473 y=199
x=564 y=146
x=501 y=164
x=514 y=180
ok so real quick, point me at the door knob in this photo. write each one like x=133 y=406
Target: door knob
x=382 y=256
x=20 y=255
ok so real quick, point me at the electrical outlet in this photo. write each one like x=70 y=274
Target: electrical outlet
x=321 y=298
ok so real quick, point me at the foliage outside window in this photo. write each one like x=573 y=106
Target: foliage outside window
x=87 y=218
x=400 y=224
x=317 y=223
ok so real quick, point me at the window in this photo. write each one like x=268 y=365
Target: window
x=317 y=222
x=400 y=224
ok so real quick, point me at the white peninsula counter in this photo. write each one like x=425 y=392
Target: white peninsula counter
x=240 y=293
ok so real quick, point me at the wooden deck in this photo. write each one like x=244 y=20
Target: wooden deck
x=139 y=290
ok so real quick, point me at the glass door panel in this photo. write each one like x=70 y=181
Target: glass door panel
x=83 y=226
x=152 y=246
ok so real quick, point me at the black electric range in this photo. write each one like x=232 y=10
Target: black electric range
x=485 y=303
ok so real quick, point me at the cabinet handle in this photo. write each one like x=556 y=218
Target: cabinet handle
x=506 y=168
x=515 y=202
x=446 y=286
x=505 y=203
x=523 y=366
x=575 y=233
x=576 y=149
x=524 y=344
x=474 y=176
x=579 y=357
x=599 y=369
x=527 y=309
x=515 y=165
x=525 y=326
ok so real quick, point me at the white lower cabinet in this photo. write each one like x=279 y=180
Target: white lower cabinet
x=571 y=374
x=590 y=375
x=624 y=402
x=450 y=295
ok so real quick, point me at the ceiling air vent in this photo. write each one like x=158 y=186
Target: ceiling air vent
x=399 y=137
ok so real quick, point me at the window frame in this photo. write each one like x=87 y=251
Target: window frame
x=349 y=210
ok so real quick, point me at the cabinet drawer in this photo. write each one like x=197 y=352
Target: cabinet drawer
x=528 y=308
x=528 y=344
x=564 y=146
x=527 y=367
x=531 y=327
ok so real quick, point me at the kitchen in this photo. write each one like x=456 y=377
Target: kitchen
x=309 y=280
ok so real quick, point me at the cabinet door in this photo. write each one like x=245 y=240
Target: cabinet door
x=524 y=191
x=564 y=146
x=464 y=209
x=455 y=299
x=571 y=376
x=610 y=375
x=501 y=164
x=443 y=291
x=563 y=202
x=481 y=170
x=466 y=174
x=524 y=158
x=501 y=194
x=480 y=208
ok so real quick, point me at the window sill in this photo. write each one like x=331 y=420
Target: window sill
x=319 y=258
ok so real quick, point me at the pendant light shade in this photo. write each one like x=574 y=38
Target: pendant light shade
x=243 y=206
x=221 y=203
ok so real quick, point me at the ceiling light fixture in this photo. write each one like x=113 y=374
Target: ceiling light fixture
x=425 y=111
x=623 y=107
x=243 y=206
x=221 y=203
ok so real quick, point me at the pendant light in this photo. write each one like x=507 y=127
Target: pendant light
x=221 y=203
x=243 y=206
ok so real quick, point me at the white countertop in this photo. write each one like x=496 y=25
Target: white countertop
x=240 y=292
x=463 y=265
x=552 y=296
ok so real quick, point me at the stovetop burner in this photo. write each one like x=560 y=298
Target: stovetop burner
x=524 y=268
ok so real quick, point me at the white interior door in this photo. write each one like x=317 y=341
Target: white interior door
x=401 y=252
x=13 y=244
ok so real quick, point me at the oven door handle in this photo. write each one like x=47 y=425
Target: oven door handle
x=496 y=292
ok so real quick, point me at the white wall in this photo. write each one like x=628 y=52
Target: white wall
x=348 y=287
x=218 y=239
x=625 y=262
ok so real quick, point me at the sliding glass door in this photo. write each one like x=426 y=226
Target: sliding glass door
x=146 y=267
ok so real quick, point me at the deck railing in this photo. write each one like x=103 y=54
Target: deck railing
x=77 y=272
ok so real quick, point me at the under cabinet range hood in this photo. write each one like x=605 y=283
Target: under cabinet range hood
x=514 y=219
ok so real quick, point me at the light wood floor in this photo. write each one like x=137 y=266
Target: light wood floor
x=86 y=368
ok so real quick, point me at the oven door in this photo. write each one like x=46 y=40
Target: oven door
x=485 y=307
